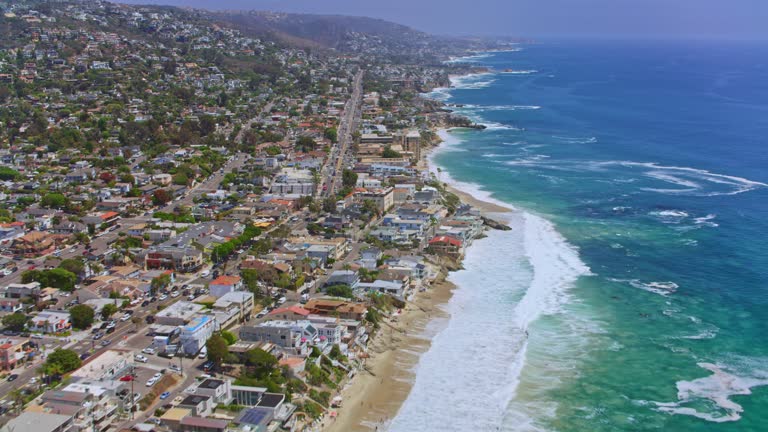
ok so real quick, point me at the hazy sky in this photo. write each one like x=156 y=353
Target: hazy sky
x=741 y=19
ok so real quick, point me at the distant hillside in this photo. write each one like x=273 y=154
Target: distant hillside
x=330 y=31
x=347 y=34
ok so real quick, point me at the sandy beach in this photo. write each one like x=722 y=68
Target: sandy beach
x=375 y=394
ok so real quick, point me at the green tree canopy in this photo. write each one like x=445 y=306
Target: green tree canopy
x=229 y=337
x=262 y=362
x=54 y=200
x=217 y=348
x=340 y=291
x=64 y=360
x=56 y=278
x=15 y=321
x=108 y=310
x=349 y=178
x=73 y=266
x=81 y=316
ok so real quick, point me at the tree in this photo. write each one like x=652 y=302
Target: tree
x=54 y=200
x=15 y=321
x=349 y=178
x=56 y=278
x=217 y=348
x=65 y=359
x=81 y=316
x=159 y=282
x=251 y=280
x=262 y=362
x=306 y=144
x=331 y=134
x=9 y=174
x=388 y=153
x=340 y=291
x=73 y=266
x=229 y=337
x=329 y=205
x=180 y=179
x=161 y=197
x=108 y=310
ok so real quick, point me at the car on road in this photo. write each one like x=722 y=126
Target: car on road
x=145 y=303
x=163 y=297
x=175 y=368
x=127 y=378
x=12 y=377
x=33 y=380
x=111 y=324
x=205 y=273
x=125 y=317
x=174 y=294
x=136 y=397
x=151 y=382
x=110 y=330
x=261 y=314
x=84 y=356
x=148 y=350
x=140 y=358
x=36 y=336
x=98 y=336
x=154 y=420
x=165 y=395
x=106 y=342
x=7 y=272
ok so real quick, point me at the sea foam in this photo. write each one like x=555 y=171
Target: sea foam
x=473 y=367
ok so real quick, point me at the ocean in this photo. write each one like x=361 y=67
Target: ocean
x=632 y=292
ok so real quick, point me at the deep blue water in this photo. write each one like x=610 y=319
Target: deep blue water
x=650 y=158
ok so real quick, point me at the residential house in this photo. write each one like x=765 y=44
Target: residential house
x=50 y=322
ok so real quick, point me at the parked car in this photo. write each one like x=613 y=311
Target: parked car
x=148 y=350
x=165 y=395
x=98 y=336
x=12 y=377
x=140 y=358
x=162 y=297
x=126 y=378
x=151 y=382
x=106 y=342
x=125 y=317
x=175 y=368
x=145 y=303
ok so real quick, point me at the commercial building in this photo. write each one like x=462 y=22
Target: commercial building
x=178 y=314
x=196 y=333
x=225 y=284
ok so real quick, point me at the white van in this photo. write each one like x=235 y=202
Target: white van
x=203 y=353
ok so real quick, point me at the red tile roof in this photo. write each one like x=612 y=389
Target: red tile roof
x=295 y=309
x=226 y=280
x=446 y=239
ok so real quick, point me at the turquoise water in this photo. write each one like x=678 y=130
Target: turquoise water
x=650 y=160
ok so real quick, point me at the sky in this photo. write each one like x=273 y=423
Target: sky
x=715 y=19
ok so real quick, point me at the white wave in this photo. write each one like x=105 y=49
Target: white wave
x=704 y=334
x=499 y=126
x=520 y=72
x=690 y=181
x=661 y=288
x=711 y=395
x=468 y=59
x=706 y=220
x=510 y=279
x=572 y=140
x=669 y=216
x=501 y=107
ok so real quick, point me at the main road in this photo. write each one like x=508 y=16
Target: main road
x=348 y=124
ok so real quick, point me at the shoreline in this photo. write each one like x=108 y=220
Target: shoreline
x=374 y=396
